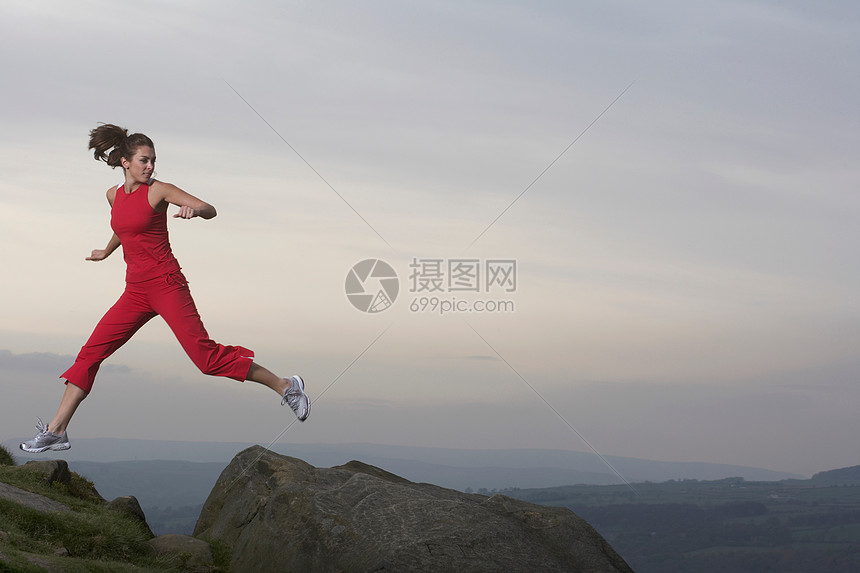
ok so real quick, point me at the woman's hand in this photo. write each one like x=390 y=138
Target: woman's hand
x=102 y=254
x=185 y=212
x=98 y=255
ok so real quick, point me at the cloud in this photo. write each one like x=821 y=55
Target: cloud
x=41 y=363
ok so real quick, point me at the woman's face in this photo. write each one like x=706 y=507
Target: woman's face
x=141 y=165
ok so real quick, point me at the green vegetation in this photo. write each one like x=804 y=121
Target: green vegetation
x=695 y=526
x=92 y=535
x=6 y=458
x=79 y=493
x=90 y=538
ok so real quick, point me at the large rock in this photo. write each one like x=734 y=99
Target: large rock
x=280 y=514
x=130 y=507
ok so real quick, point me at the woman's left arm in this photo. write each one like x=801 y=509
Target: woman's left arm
x=189 y=205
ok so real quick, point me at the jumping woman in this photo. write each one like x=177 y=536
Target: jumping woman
x=154 y=286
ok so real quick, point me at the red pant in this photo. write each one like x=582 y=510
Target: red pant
x=169 y=297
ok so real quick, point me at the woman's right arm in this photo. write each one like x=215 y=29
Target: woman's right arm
x=102 y=254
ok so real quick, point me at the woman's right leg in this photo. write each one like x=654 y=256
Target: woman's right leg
x=131 y=311
x=72 y=398
x=118 y=324
x=116 y=327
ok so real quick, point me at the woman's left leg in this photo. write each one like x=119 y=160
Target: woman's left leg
x=174 y=303
x=171 y=298
x=266 y=377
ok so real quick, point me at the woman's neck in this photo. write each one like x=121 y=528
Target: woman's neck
x=131 y=185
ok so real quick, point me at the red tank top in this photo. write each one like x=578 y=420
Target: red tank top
x=143 y=233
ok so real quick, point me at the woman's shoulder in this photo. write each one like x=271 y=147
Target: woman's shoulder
x=159 y=193
x=160 y=186
x=111 y=194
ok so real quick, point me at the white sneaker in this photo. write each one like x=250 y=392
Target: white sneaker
x=295 y=396
x=45 y=440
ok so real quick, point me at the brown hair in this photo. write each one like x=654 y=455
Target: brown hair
x=115 y=138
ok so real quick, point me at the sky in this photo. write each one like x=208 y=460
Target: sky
x=673 y=185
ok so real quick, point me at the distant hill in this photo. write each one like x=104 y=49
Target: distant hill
x=447 y=467
x=842 y=476
x=691 y=526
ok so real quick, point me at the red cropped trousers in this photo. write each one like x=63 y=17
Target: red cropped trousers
x=169 y=296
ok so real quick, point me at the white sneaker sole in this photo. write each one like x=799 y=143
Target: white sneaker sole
x=52 y=447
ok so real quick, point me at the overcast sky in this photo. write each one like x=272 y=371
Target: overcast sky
x=687 y=271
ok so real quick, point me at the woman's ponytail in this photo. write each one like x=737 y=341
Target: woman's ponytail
x=116 y=139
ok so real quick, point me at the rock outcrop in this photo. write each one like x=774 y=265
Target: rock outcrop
x=194 y=555
x=31 y=500
x=54 y=470
x=129 y=506
x=281 y=514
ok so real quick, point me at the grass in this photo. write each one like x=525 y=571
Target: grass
x=94 y=534
x=79 y=493
x=18 y=563
x=6 y=458
x=90 y=538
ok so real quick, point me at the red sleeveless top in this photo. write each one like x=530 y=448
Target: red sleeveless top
x=143 y=233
